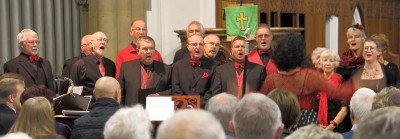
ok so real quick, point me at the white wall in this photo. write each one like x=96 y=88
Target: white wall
x=332 y=33
x=169 y=15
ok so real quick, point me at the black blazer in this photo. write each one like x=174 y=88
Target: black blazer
x=85 y=72
x=181 y=54
x=129 y=80
x=66 y=72
x=187 y=80
x=22 y=66
x=225 y=78
x=7 y=118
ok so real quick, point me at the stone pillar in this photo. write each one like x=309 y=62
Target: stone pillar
x=113 y=17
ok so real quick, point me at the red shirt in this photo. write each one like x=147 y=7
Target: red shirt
x=130 y=53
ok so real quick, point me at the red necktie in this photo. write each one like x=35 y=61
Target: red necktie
x=195 y=63
x=263 y=52
x=101 y=67
x=34 y=58
x=239 y=65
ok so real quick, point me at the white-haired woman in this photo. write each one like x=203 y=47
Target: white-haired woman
x=331 y=113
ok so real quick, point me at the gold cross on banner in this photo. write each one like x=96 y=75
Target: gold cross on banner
x=241 y=19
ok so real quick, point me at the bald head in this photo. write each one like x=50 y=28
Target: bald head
x=107 y=87
x=85 y=44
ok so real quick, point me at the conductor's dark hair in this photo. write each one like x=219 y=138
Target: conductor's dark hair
x=289 y=52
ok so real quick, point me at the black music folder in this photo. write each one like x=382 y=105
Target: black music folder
x=143 y=93
x=71 y=102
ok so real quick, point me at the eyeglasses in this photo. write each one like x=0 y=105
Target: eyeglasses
x=102 y=39
x=196 y=44
x=140 y=29
x=213 y=43
x=32 y=42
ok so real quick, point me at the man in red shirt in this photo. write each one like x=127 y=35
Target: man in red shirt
x=130 y=52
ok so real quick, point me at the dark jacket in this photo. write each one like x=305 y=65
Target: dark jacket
x=7 y=118
x=92 y=125
x=22 y=66
x=130 y=80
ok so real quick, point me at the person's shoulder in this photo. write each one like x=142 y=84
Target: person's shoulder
x=182 y=61
x=124 y=50
x=108 y=60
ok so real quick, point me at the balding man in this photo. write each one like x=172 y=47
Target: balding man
x=85 y=51
x=360 y=107
x=36 y=70
x=222 y=106
x=194 y=28
x=257 y=117
x=86 y=71
x=192 y=75
x=108 y=93
x=212 y=46
x=262 y=54
x=191 y=124
x=130 y=52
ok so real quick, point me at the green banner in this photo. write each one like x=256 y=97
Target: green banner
x=239 y=18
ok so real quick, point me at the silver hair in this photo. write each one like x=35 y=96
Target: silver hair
x=317 y=51
x=209 y=36
x=129 y=123
x=223 y=106
x=191 y=124
x=358 y=31
x=86 y=37
x=196 y=23
x=256 y=116
x=313 y=131
x=388 y=96
x=381 y=123
x=22 y=35
x=361 y=103
x=329 y=54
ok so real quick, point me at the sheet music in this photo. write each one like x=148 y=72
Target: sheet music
x=159 y=108
x=77 y=90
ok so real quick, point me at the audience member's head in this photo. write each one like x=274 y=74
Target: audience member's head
x=107 y=87
x=191 y=124
x=381 y=123
x=12 y=75
x=194 y=28
x=36 y=119
x=388 y=96
x=37 y=91
x=128 y=123
x=28 y=42
x=313 y=131
x=146 y=49
x=257 y=116
x=85 y=44
x=211 y=45
x=288 y=104
x=138 y=29
x=195 y=46
x=223 y=106
x=10 y=92
x=289 y=52
x=361 y=104
x=264 y=37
